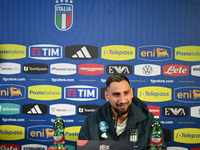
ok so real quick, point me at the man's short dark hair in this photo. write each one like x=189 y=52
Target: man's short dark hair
x=116 y=78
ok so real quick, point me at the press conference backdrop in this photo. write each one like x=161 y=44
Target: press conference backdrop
x=56 y=55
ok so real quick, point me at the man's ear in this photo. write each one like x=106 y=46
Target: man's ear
x=106 y=95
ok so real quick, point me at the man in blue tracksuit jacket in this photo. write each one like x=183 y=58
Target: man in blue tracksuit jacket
x=123 y=118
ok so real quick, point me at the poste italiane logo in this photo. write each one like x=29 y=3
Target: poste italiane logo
x=187 y=135
x=187 y=53
x=118 y=52
x=12 y=132
x=12 y=51
x=71 y=133
x=154 y=94
x=64 y=14
x=44 y=92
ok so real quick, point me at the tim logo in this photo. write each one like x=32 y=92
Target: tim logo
x=64 y=14
x=119 y=69
x=175 y=111
x=154 y=53
x=45 y=52
x=12 y=92
x=187 y=94
x=40 y=133
x=81 y=93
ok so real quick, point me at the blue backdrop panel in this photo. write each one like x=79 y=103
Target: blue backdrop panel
x=55 y=56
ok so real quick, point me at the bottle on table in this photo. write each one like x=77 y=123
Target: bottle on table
x=59 y=135
x=156 y=135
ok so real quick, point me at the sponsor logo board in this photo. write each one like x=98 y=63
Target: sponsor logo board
x=63 y=69
x=9 y=147
x=81 y=93
x=195 y=111
x=147 y=70
x=45 y=52
x=187 y=53
x=12 y=51
x=175 y=111
x=87 y=109
x=118 y=52
x=154 y=94
x=195 y=70
x=40 y=133
x=9 y=109
x=63 y=109
x=34 y=147
x=81 y=52
x=12 y=92
x=187 y=135
x=119 y=69
x=154 y=110
x=11 y=132
x=155 y=53
x=176 y=70
x=44 y=92
x=35 y=68
x=91 y=69
x=34 y=109
x=10 y=68
x=187 y=94
x=71 y=133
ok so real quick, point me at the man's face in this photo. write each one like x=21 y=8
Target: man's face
x=120 y=95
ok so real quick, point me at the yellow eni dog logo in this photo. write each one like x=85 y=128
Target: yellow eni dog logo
x=12 y=51
x=155 y=53
x=71 y=133
x=44 y=92
x=12 y=132
x=187 y=135
x=187 y=53
x=154 y=94
x=118 y=52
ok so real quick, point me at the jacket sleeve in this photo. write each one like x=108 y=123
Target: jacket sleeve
x=84 y=133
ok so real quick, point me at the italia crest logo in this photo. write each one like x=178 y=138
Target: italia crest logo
x=64 y=14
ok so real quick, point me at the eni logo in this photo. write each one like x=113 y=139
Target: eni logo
x=41 y=133
x=12 y=92
x=154 y=53
x=187 y=94
x=187 y=135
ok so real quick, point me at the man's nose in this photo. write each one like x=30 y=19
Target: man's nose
x=122 y=98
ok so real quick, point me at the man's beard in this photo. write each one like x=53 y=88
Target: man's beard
x=122 y=112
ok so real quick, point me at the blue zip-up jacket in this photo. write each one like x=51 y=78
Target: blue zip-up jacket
x=100 y=125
